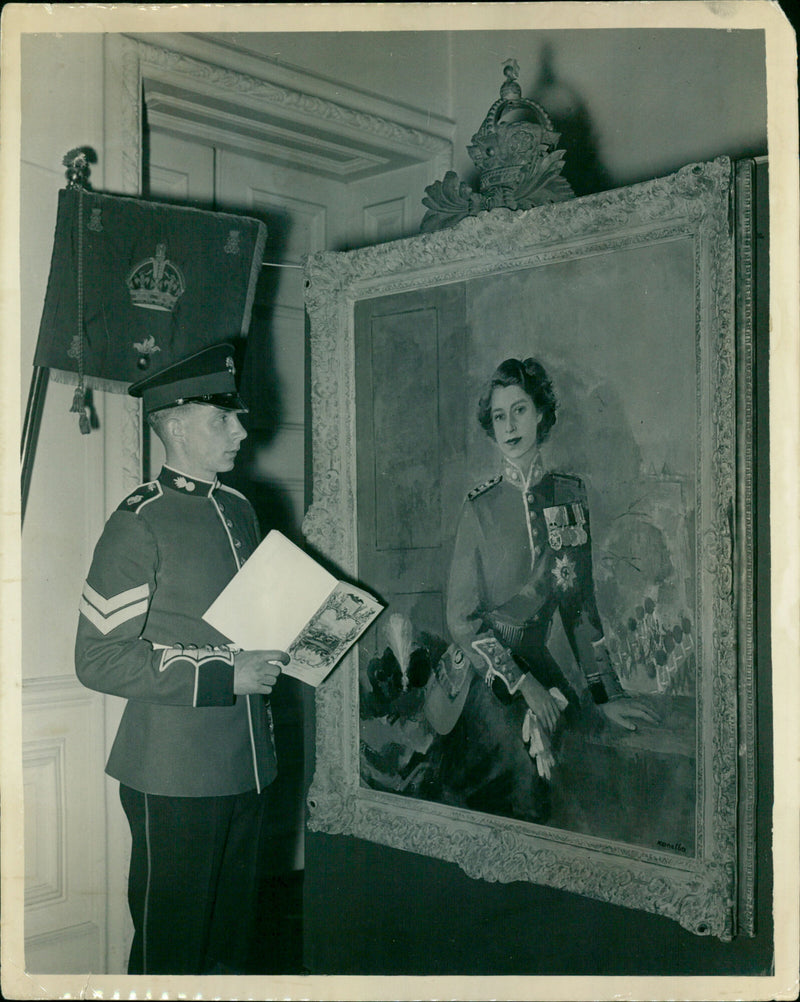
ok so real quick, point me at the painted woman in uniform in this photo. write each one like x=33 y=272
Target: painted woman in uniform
x=522 y=553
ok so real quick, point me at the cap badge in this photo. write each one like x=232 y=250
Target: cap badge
x=156 y=283
x=145 y=348
x=230 y=366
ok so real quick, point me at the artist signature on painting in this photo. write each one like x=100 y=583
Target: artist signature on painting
x=675 y=846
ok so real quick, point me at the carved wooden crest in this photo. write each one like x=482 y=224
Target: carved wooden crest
x=518 y=159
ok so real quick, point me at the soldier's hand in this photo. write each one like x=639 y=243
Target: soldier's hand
x=541 y=702
x=256 y=672
x=626 y=712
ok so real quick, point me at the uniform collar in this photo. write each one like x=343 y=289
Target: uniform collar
x=514 y=475
x=184 y=484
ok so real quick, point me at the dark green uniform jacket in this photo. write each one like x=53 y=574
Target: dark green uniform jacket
x=164 y=556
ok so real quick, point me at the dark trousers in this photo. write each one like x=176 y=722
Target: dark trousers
x=193 y=882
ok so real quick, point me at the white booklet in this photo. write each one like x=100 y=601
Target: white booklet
x=282 y=599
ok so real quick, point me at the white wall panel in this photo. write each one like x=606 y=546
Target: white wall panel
x=71 y=950
x=384 y=220
x=45 y=856
x=64 y=825
x=180 y=170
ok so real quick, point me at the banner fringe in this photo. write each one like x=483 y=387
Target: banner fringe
x=90 y=382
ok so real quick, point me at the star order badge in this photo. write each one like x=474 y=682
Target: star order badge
x=564 y=573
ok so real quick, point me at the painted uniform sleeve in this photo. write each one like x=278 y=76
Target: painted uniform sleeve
x=582 y=623
x=110 y=654
x=490 y=658
x=256 y=526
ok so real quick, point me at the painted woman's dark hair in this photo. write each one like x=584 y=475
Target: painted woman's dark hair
x=531 y=376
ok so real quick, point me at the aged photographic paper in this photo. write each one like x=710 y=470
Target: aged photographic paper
x=647 y=491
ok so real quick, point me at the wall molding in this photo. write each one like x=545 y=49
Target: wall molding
x=214 y=49
x=315 y=126
x=43 y=763
x=73 y=949
x=54 y=690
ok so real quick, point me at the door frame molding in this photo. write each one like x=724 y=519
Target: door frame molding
x=139 y=62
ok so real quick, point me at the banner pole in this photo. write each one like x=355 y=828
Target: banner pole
x=77 y=162
x=30 y=431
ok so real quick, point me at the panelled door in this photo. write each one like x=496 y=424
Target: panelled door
x=410 y=420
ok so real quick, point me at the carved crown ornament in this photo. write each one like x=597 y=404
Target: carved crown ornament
x=516 y=155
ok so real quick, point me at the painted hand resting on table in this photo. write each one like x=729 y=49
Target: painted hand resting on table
x=625 y=712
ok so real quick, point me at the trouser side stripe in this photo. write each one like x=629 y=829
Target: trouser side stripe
x=147 y=887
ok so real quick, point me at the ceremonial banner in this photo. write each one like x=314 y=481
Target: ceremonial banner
x=135 y=285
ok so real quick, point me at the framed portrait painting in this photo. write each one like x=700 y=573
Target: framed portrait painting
x=620 y=554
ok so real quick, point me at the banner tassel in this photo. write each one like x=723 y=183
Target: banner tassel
x=78 y=400
x=80 y=405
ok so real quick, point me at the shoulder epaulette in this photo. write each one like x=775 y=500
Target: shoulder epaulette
x=482 y=488
x=142 y=495
x=232 y=490
x=567 y=487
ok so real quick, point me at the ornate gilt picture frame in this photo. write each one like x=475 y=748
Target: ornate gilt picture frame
x=636 y=302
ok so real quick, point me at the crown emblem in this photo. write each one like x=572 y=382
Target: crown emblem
x=504 y=150
x=156 y=283
x=515 y=151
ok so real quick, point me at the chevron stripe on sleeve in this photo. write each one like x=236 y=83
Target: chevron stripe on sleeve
x=106 y=614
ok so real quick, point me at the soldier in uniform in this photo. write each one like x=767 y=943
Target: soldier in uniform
x=194 y=752
x=522 y=552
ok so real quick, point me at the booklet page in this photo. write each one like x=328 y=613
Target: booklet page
x=273 y=596
x=338 y=623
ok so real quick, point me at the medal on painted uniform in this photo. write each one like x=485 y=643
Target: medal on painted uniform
x=566 y=525
x=579 y=514
x=556 y=521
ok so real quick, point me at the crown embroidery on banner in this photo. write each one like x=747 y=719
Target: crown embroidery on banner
x=156 y=283
x=233 y=245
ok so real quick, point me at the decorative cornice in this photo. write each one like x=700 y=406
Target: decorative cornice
x=236 y=53
x=302 y=107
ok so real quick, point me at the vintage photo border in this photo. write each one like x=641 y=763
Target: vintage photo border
x=785 y=448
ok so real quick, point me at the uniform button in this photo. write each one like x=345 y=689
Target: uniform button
x=221 y=506
x=229 y=523
x=237 y=543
